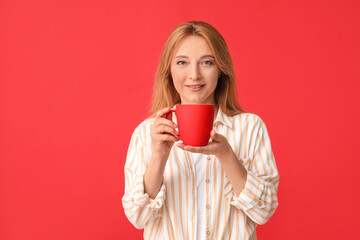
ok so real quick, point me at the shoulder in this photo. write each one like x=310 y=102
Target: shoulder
x=247 y=120
x=144 y=127
x=251 y=123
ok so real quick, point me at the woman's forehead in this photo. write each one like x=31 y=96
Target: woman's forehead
x=191 y=45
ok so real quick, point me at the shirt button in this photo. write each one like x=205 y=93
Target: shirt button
x=207 y=181
x=260 y=203
x=208 y=158
x=207 y=206
x=208 y=233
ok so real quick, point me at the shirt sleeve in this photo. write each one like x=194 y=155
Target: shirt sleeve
x=259 y=197
x=139 y=208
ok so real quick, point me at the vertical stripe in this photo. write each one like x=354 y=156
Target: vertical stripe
x=263 y=168
x=246 y=134
x=174 y=203
x=231 y=216
x=170 y=230
x=145 y=217
x=244 y=216
x=252 y=133
x=254 y=164
x=193 y=182
x=237 y=225
x=218 y=220
x=241 y=133
x=263 y=143
x=187 y=192
x=180 y=193
x=234 y=134
x=132 y=160
x=157 y=228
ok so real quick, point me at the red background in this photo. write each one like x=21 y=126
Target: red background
x=76 y=79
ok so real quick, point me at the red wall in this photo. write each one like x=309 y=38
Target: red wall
x=76 y=79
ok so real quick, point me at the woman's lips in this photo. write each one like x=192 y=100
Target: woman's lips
x=196 y=87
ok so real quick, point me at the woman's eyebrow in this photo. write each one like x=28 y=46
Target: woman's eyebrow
x=181 y=56
x=205 y=56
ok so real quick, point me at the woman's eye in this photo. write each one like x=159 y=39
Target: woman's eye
x=180 y=63
x=208 y=62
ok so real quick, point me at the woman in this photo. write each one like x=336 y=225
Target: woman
x=219 y=191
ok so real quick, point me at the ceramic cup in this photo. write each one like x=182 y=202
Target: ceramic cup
x=195 y=122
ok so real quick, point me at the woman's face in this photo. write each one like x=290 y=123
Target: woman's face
x=194 y=71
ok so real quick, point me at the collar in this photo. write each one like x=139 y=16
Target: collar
x=222 y=118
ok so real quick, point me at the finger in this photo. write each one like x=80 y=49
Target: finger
x=215 y=136
x=203 y=150
x=163 y=121
x=180 y=145
x=163 y=111
x=163 y=129
x=167 y=137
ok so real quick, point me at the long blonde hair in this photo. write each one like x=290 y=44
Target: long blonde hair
x=165 y=94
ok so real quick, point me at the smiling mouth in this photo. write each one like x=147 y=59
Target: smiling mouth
x=194 y=87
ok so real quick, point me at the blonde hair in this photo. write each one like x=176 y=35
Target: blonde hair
x=164 y=92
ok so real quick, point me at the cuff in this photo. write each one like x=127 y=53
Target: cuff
x=250 y=196
x=141 y=199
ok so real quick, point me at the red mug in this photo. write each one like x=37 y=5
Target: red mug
x=195 y=122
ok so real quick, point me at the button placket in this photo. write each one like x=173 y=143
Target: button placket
x=207 y=197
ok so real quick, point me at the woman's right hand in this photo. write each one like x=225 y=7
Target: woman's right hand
x=163 y=135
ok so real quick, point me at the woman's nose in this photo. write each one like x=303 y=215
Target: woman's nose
x=194 y=72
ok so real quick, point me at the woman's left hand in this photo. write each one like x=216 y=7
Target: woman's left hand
x=218 y=146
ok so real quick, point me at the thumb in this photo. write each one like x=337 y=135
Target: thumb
x=214 y=135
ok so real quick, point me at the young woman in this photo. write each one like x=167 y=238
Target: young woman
x=219 y=191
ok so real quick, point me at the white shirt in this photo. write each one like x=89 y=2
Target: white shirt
x=175 y=212
x=200 y=176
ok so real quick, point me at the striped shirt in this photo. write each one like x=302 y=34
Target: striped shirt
x=173 y=213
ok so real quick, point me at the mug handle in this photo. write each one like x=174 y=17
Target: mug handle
x=169 y=116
